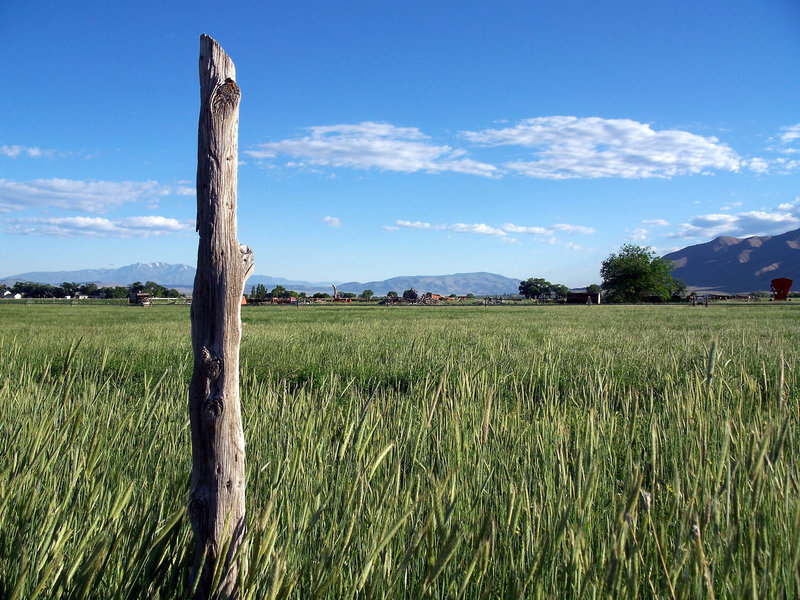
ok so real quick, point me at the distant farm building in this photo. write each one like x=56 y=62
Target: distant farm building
x=139 y=299
x=582 y=298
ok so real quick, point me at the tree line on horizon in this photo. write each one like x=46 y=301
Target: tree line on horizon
x=259 y=292
x=29 y=289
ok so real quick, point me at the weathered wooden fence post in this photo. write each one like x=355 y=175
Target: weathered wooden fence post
x=216 y=498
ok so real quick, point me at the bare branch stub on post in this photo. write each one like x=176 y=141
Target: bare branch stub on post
x=217 y=495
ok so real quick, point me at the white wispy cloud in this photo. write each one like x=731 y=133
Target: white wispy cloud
x=642 y=233
x=538 y=230
x=499 y=231
x=476 y=228
x=332 y=221
x=94 y=197
x=372 y=145
x=577 y=247
x=532 y=229
x=567 y=228
x=145 y=226
x=790 y=134
x=785 y=165
x=758 y=165
x=16 y=151
x=786 y=142
x=754 y=222
x=412 y=224
x=566 y=147
x=182 y=190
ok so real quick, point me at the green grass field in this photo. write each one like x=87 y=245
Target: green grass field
x=443 y=452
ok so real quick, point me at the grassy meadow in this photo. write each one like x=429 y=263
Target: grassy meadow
x=413 y=452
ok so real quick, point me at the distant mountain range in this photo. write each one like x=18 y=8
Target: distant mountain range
x=479 y=284
x=725 y=264
x=739 y=265
x=182 y=278
x=162 y=273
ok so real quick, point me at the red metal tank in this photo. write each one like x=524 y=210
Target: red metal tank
x=780 y=288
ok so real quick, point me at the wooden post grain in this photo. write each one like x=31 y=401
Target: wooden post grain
x=217 y=495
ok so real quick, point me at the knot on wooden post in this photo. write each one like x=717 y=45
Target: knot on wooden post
x=214 y=407
x=226 y=96
x=211 y=365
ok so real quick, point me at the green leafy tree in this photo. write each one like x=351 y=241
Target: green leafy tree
x=593 y=289
x=279 y=292
x=678 y=290
x=559 y=290
x=113 y=292
x=367 y=294
x=70 y=288
x=33 y=290
x=534 y=287
x=89 y=288
x=259 y=292
x=636 y=274
x=392 y=295
x=152 y=288
x=410 y=295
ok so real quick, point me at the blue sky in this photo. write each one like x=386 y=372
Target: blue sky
x=530 y=139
